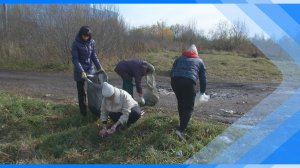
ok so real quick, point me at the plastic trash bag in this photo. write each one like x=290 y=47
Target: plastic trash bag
x=94 y=91
x=200 y=98
x=151 y=95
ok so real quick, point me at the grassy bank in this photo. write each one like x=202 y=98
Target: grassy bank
x=34 y=66
x=36 y=131
x=237 y=68
x=220 y=66
x=223 y=66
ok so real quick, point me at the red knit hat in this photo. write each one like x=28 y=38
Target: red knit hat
x=191 y=52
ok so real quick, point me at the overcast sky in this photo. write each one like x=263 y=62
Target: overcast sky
x=206 y=16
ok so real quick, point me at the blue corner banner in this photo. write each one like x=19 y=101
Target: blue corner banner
x=273 y=135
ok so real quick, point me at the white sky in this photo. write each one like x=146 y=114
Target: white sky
x=206 y=16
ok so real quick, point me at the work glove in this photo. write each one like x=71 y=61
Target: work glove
x=141 y=100
x=83 y=75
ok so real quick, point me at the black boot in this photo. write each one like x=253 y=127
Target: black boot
x=82 y=98
x=83 y=109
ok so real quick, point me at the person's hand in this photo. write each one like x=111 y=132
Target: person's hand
x=112 y=130
x=103 y=132
x=142 y=102
x=100 y=70
x=83 y=75
x=141 y=99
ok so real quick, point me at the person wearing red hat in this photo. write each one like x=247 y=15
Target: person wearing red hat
x=186 y=70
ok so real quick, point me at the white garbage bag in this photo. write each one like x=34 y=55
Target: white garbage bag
x=200 y=98
x=151 y=95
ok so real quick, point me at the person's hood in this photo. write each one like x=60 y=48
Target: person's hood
x=78 y=39
x=191 y=52
x=84 y=30
x=107 y=89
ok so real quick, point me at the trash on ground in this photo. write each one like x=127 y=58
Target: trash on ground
x=228 y=111
x=179 y=153
x=48 y=95
x=165 y=92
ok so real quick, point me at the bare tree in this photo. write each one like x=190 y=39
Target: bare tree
x=238 y=34
x=43 y=34
x=5 y=21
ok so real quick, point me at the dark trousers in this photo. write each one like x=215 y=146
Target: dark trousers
x=133 y=116
x=184 y=89
x=81 y=97
x=127 y=82
x=128 y=86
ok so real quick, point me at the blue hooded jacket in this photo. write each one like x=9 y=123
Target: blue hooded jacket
x=191 y=68
x=83 y=55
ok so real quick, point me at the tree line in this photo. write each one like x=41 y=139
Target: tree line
x=44 y=33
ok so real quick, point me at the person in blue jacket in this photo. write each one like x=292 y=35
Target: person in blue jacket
x=186 y=70
x=83 y=57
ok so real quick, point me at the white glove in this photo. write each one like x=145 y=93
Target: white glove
x=141 y=100
x=204 y=97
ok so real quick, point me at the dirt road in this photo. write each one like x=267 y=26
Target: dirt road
x=229 y=100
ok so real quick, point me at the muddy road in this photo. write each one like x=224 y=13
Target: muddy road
x=229 y=100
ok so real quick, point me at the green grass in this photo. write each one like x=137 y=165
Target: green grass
x=232 y=67
x=36 y=131
x=223 y=66
x=162 y=61
x=32 y=65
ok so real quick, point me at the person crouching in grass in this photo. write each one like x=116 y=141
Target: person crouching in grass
x=120 y=107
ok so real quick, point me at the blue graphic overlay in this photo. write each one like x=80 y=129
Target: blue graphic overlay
x=276 y=32
x=232 y=166
x=292 y=48
x=101 y=166
x=231 y=1
x=288 y=153
x=269 y=132
x=113 y=1
x=283 y=19
x=292 y=10
x=275 y=139
x=244 y=166
x=278 y=108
